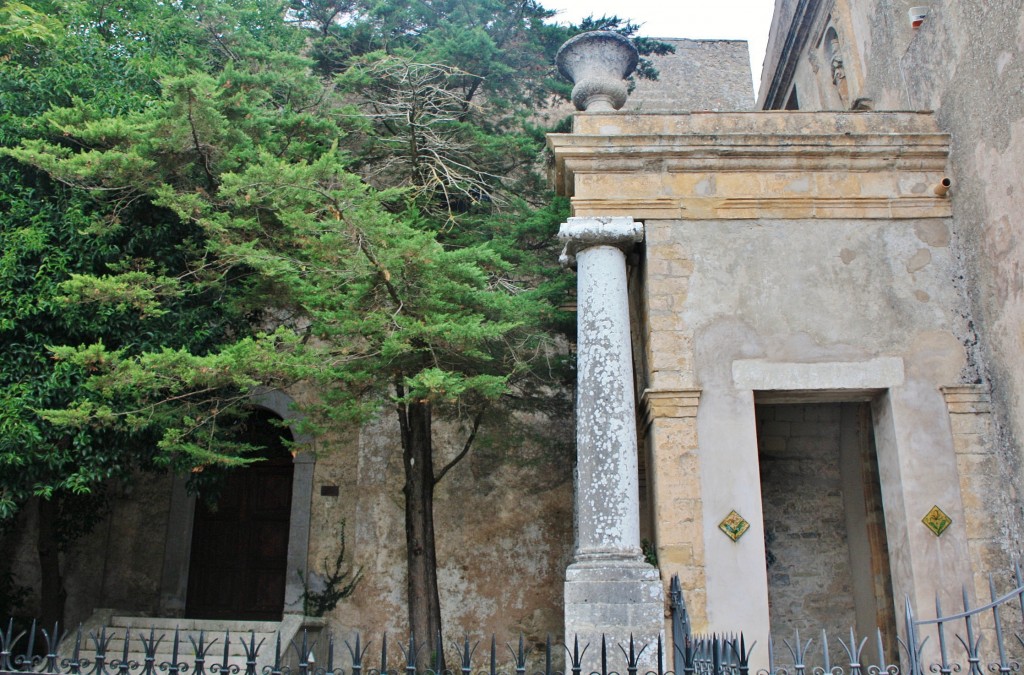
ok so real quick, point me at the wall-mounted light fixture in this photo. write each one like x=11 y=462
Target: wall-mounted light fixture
x=917 y=16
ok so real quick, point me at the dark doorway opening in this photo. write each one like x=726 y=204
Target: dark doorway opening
x=825 y=545
x=239 y=559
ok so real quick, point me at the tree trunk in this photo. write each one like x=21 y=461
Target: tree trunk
x=424 y=602
x=12 y=533
x=51 y=588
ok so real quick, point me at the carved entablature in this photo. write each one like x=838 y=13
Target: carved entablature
x=876 y=165
x=968 y=399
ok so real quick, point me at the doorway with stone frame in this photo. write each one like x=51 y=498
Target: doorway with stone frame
x=239 y=553
x=175 y=582
x=826 y=552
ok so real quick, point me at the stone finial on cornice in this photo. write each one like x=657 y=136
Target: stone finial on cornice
x=598 y=63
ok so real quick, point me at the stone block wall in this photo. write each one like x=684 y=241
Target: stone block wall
x=701 y=75
x=988 y=493
x=670 y=421
x=810 y=583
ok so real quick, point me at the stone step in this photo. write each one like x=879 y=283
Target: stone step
x=116 y=624
x=241 y=634
x=115 y=647
x=208 y=625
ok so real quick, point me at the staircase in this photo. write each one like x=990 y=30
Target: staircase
x=103 y=636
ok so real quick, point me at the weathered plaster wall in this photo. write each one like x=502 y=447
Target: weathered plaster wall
x=819 y=290
x=504 y=527
x=504 y=532
x=822 y=292
x=117 y=564
x=966 y=62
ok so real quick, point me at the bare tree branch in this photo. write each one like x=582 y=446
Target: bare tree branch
x=465 y=448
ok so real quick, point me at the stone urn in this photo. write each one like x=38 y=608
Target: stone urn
x=598 y=63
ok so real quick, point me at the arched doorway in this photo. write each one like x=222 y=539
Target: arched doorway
x=239 y=553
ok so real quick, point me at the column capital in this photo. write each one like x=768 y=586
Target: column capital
x=580 y=233
x=968 y=398
x=669 y=403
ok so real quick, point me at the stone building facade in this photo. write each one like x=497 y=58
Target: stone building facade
x=791 y=262
x=505 y=514
x=963 y=61
x=825 y=345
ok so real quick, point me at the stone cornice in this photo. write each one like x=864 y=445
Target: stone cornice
x=768 y=207
x=763 y=165
x=735 y=152
x=669 y=403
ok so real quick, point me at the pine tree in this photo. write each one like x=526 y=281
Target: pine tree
x=338 y=194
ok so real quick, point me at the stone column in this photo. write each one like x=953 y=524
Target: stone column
x=609 y=589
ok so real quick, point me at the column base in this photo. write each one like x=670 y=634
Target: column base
x=616 y=599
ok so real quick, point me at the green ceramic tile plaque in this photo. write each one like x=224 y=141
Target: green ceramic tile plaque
x=734 y=525
x=937 y=521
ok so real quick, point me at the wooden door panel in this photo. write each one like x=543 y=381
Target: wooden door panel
x=240 y=547
x=271 y=492
x=268 y=591
x=269 y=544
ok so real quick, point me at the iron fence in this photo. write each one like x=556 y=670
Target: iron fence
x=38 y=651
x=980 y=640
x=988 y=637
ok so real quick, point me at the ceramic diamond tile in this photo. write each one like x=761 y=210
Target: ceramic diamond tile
x=734 y=525
x=937 y=521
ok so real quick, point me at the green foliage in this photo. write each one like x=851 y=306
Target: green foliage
x=71 y=271
x=650 y=553
x=23 y=27
x=46 y=252
x=198 y=198
x=367 y=286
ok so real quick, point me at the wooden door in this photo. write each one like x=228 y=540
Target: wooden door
x=239 y=554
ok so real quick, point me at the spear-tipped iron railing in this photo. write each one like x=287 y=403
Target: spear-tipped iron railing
x=90 y=654
x=989 y=637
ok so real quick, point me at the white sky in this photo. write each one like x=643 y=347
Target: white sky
x=725 y=19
